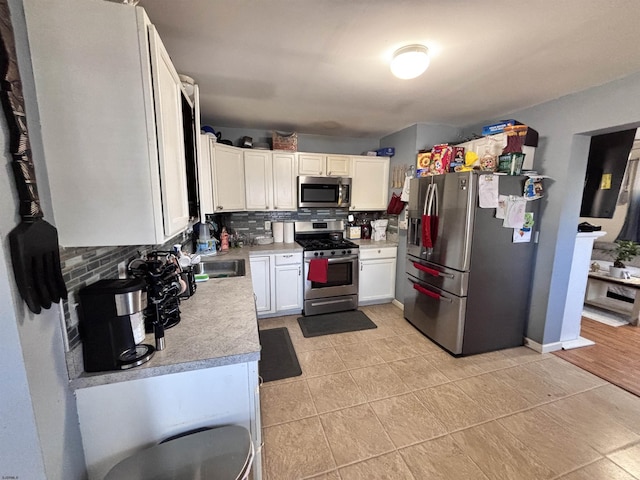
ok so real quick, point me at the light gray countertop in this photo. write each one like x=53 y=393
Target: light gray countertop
x=364 y=244
x=218 y=326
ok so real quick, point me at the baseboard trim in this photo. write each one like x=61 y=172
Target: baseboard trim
x=542 y=348
x=398 y=304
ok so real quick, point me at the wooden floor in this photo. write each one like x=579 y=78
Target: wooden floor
x=615 y=357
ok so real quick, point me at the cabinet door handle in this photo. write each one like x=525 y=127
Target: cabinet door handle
x=219 y=207
x=299 y=271
x=361 y=265
x=328 y=173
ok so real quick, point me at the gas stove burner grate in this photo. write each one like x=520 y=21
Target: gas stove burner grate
x=317 y=244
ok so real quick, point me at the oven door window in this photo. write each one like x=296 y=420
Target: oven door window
x=311 y=193
x=338 y=275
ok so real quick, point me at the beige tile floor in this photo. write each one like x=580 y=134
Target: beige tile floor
x=389 y=404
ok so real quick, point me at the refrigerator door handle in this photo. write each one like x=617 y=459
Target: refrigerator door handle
x=431 y=294
x=431 y=271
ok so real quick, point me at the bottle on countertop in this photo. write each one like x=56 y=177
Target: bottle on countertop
x=224 y=239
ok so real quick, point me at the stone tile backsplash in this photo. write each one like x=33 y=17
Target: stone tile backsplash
x=86 y=265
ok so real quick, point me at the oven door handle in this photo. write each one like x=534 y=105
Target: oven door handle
x=346 y=259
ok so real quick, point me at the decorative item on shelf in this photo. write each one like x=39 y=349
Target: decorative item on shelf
x=510 y=163
x=285 y=141
x=625 y=251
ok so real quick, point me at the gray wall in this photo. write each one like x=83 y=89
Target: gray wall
x=565 y=126
x=306 y=142
x=407 y=142
x=39 y=433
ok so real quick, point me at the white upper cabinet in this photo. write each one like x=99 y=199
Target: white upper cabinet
x=111 y=123
x=369 y=183
x=205 y=176
x=285 y=178
x=338 y=165
x=168 y=104
x=258 y=179
x=227 y=166
x=270 y=180
x=321 y=164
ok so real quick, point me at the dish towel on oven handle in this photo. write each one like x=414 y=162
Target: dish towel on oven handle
x=318 y=270
x=430 y=217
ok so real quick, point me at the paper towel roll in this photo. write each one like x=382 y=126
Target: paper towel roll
x=277 y=228
x=288 y=232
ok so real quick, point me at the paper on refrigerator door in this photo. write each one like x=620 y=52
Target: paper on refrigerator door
x=488 y=191
x=514 y=213
x=523 y=234
x=502 y=206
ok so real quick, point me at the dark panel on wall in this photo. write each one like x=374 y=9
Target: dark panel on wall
x=608 y=157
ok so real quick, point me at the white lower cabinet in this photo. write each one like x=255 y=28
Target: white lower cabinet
x=159 y=407
x=261 y=277
x=377 y=279
x=277 y=283
x=288 y=275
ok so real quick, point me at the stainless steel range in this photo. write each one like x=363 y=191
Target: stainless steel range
x=324 y=241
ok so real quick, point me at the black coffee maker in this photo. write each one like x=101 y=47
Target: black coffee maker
x=112 y=324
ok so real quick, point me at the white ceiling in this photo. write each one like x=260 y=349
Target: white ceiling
x=321 y=66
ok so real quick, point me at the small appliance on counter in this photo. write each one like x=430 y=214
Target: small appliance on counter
x=112 y=324
x=161 y=273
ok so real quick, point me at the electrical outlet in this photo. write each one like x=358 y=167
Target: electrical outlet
x=122 y=270
x=267 y=225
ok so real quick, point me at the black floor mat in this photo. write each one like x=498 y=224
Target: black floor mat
x=278 y=358
x=339 y=322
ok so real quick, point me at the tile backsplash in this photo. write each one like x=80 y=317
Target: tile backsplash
x=252 y=223
x=86 y=265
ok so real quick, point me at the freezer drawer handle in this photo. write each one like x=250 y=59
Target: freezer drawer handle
x=429 y=293
x=431 y=271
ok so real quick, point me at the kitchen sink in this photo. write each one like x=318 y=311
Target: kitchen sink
x=223 y=268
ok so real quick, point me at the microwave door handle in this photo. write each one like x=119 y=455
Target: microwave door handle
x=340 y=194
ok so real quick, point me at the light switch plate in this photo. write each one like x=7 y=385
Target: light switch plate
x=267 y=225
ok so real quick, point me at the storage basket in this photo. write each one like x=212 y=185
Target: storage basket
x=285 y=141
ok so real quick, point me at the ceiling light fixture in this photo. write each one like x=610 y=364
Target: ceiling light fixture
x=410 y=61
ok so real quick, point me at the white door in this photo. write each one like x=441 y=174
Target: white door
x=311 y=164
x=289 y=287
x=228 y=178
x=261 y=280
x=377 y=279
x=168 y=109
x=370 y=183
x=338 y=165
x=257 y=177
x=284 y=181
x=205 y=178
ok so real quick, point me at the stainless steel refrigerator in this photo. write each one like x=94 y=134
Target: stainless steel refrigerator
x=469 y=290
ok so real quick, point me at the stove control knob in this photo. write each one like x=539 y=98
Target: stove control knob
x=315 y=254
x=349 y=252
x=344 y=252
x=333 y=252
x=321 y=254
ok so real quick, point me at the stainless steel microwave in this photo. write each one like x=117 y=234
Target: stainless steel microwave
x=323 y=192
